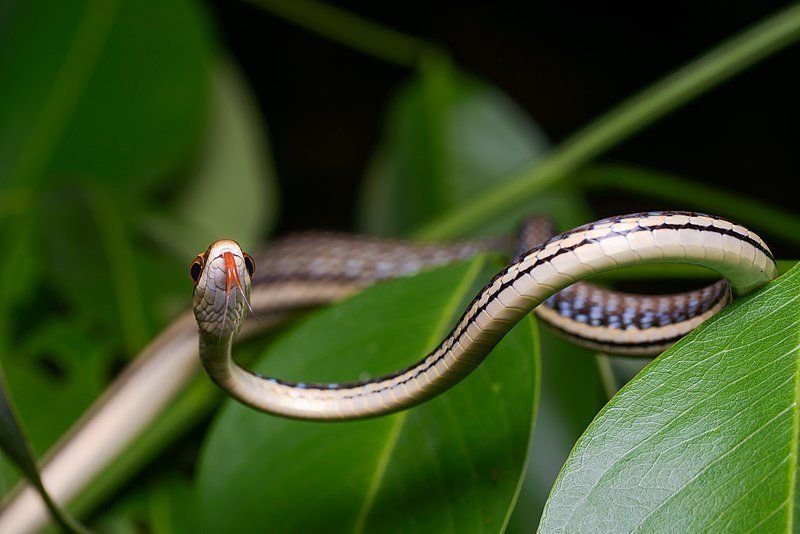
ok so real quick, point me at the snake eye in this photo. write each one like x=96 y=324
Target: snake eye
x=196 y=269
x=249 y=264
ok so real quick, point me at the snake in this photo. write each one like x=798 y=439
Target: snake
x=223 y=277
x=304 y=271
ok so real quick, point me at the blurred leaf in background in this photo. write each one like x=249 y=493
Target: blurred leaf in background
x=87 y=97
x=104 y=107
x=142 y=111
x=447 y=137
x=92 y=118
x=232 y=192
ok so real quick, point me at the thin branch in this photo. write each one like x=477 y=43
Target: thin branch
x=629 y=118
x=351 y=30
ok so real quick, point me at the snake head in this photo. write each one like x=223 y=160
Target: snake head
x=222 y=276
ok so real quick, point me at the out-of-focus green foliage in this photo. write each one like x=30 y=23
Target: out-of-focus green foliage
x=84 y=95
x=82 y=145
x=232 y=190
x=94 y=121
x=447 y=138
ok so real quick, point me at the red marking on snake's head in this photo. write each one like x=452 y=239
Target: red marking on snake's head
x=231 y=273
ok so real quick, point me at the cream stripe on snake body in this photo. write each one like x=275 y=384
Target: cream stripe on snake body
x=733 y=251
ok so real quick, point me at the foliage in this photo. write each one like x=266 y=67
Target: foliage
x=103 y=175
x=705 y=439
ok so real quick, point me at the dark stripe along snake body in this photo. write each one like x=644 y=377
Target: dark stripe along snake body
x=611 y=321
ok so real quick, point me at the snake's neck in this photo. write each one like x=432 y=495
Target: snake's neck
x=215 y=354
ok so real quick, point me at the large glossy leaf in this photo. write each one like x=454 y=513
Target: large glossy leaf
x=451 y=464
x=448 y=137
x=704 y=439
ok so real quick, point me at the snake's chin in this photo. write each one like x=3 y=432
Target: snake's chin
x=224 y=320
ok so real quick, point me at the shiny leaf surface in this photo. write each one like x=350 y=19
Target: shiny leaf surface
x=704 y=439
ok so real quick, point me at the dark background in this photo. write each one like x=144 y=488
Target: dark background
x=563 y=62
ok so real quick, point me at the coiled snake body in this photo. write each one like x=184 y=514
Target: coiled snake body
x=620 y=323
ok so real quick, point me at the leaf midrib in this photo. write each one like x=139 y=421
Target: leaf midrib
x=393 y=436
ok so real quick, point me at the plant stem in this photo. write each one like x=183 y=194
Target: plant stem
x=350 y=30
x=606 y=372
x=632 y=116
x=772 y=219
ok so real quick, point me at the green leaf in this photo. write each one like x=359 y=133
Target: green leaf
x=97 y=275
x=704 y=439
x=52 y=377
x=232 y=191
x=451 y=464
x=447 y=138
x=571 y=394
x=162 y=502
x=110 y=91
x=85 y=98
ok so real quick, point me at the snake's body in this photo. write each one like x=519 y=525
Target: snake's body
x=311 y=270
x=531 y=279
